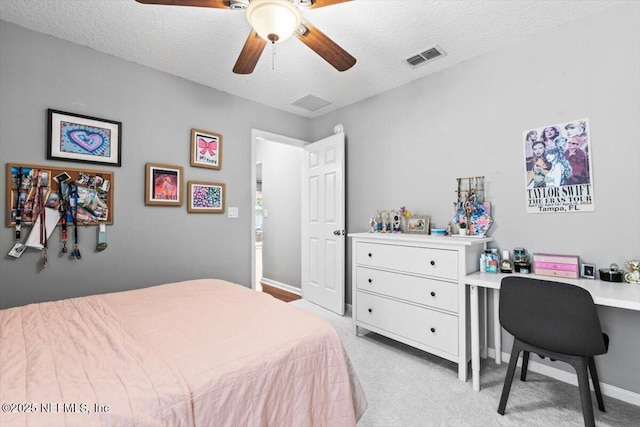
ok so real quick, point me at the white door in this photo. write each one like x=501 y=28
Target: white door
x=323 y=223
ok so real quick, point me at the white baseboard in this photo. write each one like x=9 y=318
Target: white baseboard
x=571 y=378
x=282 y=286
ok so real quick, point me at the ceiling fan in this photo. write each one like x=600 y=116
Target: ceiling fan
x=275 y=21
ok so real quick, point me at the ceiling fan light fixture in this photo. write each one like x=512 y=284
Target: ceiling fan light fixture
x=273 y=20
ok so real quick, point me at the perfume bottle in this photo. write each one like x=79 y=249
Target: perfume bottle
x=492 y=261
x=521 y=263
x=506 y=266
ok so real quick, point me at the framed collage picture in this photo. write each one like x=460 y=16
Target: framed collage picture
x=94 y=190
x=163 y=185
x=205 y=197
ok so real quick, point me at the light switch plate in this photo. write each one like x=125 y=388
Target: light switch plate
x=232 y=212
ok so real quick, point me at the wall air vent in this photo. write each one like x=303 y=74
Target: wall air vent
x=428 y=55
x=311 y=103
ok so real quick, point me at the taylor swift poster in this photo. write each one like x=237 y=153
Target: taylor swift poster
x=558 y=168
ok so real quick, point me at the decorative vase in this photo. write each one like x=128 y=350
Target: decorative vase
x=463 y=231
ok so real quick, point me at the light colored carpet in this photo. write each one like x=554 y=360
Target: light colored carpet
x=406 y=387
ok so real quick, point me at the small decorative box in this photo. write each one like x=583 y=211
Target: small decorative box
x=567 y=266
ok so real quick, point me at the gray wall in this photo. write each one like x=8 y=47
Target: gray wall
x=404 y=148
x=147 y=245
x=281 y=197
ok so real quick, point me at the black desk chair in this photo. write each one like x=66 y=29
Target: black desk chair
x=556 y=320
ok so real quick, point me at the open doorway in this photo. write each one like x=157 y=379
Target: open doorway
x=259 y=216
x=276 y=195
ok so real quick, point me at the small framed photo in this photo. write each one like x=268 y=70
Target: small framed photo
x=81 y=138
x=417 y=224
x=588 y=271
x=205 y=197
x=62 y=177
x=163 y=185
x=206 y=149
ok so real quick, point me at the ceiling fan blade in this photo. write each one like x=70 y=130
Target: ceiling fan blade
x=322 y=3
x=220 y=4
x=250 y=54
x=339 y=58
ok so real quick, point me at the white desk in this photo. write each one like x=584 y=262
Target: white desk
x=609 y=294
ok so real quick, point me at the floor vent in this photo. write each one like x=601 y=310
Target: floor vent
x=428 y=55
x=311 y=103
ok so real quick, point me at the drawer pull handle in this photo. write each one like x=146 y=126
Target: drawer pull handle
x=371 y=310
x=370 y=280
x=433 y=294
x=433 y=330
x=370 y=254
x=432 y=262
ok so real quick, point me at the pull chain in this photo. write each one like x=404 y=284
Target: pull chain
x=273 y=55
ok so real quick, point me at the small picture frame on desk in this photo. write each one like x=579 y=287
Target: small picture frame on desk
x=588 y=271
x=417 y=224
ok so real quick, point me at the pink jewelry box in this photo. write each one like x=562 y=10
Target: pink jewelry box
x=567 y=266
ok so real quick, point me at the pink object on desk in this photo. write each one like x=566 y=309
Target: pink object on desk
x=565 y=266
x=555 y=266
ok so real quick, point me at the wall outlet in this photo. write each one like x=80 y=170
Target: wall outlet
x=232 y=212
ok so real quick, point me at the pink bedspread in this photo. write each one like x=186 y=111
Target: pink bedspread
x=195 y=353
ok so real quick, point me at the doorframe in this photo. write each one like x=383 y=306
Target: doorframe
x=257 y=135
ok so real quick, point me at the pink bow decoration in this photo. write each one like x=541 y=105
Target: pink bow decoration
x=205 y=146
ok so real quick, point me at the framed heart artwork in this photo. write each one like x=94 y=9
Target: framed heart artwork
x=82 y=138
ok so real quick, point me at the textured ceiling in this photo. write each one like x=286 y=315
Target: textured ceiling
x=202 y=44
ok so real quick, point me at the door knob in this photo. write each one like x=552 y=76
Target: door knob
x=336 y=232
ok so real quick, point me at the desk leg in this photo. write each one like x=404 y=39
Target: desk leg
x=482 y=303
x=475 y=337
x=497 y=329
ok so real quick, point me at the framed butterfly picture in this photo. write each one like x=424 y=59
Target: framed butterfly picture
x=206 y=149
x=81 y=138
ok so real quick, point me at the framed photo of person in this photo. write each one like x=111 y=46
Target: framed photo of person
x=163 y=185
x=417 y=224
x=588 y=271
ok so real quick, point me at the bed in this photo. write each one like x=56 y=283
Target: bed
x=194 y=353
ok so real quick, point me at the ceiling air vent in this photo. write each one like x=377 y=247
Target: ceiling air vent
x=311 y=103
x=430 y=54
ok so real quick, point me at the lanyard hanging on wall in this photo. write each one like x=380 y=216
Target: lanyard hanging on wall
x=18 y=205
x=73 y=202
x=64 y=208
x=18 y=248
x=42 y=214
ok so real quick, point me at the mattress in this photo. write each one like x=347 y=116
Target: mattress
x=195 y=353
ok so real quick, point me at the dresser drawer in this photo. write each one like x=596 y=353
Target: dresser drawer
x=441 y=263
x=422 y=290
x=428 y=327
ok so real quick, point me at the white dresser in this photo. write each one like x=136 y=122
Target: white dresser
x=409 y=287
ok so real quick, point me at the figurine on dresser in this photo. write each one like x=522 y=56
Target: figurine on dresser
x=386 y=226
x=373 y=225
x=395 y=225
x=633 y=272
